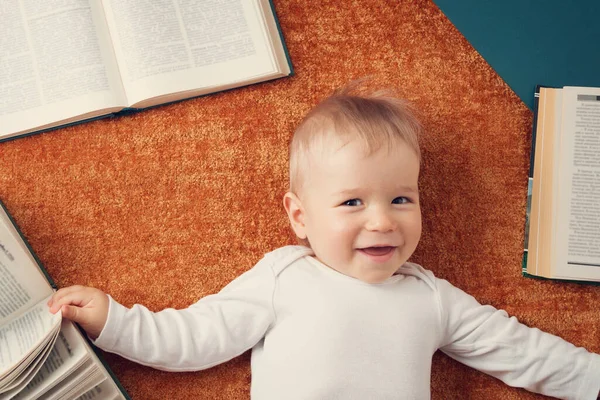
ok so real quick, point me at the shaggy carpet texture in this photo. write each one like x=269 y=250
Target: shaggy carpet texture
x=168 y=205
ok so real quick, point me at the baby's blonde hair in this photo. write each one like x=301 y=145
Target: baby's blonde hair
x=376 y=119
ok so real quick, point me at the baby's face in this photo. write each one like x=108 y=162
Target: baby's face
x=361 y=213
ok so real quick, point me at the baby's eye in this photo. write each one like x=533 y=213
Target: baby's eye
x=352 y=203
x=401 y=200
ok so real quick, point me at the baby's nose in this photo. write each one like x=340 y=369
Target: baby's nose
x=381 y=221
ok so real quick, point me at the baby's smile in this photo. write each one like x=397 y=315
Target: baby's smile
x=378 y=253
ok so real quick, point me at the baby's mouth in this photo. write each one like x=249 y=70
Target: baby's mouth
x=377 y=250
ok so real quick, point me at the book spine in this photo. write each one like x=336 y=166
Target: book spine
x=536 y=100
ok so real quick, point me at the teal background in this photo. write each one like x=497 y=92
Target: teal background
x=531 y=42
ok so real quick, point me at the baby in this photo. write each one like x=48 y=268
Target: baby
x=345 y=315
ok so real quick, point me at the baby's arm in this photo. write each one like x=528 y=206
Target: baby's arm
x=487 y=339
x=216 y=329
x=85 y=305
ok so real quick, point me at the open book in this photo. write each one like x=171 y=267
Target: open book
x=42 y=356
x=563 y=206
x=66 y=61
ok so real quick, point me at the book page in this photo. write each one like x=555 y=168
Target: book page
x=20 y=377
x=72 y=389
x=25 y=336
x=170 y=46
x=67 y=355
x=22 y=284
x=80 y=375
x=56 y=62
x=102 y=391
x=105 y=386
x=578 y=230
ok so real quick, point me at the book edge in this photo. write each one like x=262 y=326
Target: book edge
x=593 y=283
x=282 y=39
x=56 y=127
x=29 y=248
x=131 y=110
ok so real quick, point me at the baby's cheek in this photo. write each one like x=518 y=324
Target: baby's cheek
x=341 y=225
x=345 y=236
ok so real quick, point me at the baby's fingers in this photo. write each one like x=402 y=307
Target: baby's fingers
x=76 y=295
x=75 y=314
x=64 y=291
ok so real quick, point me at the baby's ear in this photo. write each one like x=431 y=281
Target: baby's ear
x=295 y=213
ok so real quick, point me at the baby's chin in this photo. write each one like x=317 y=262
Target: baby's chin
x=364 y=269
x=375 y=276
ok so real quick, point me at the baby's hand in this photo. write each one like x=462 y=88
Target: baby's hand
x=85 y=305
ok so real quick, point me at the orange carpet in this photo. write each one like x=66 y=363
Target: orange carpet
x=168 y=205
